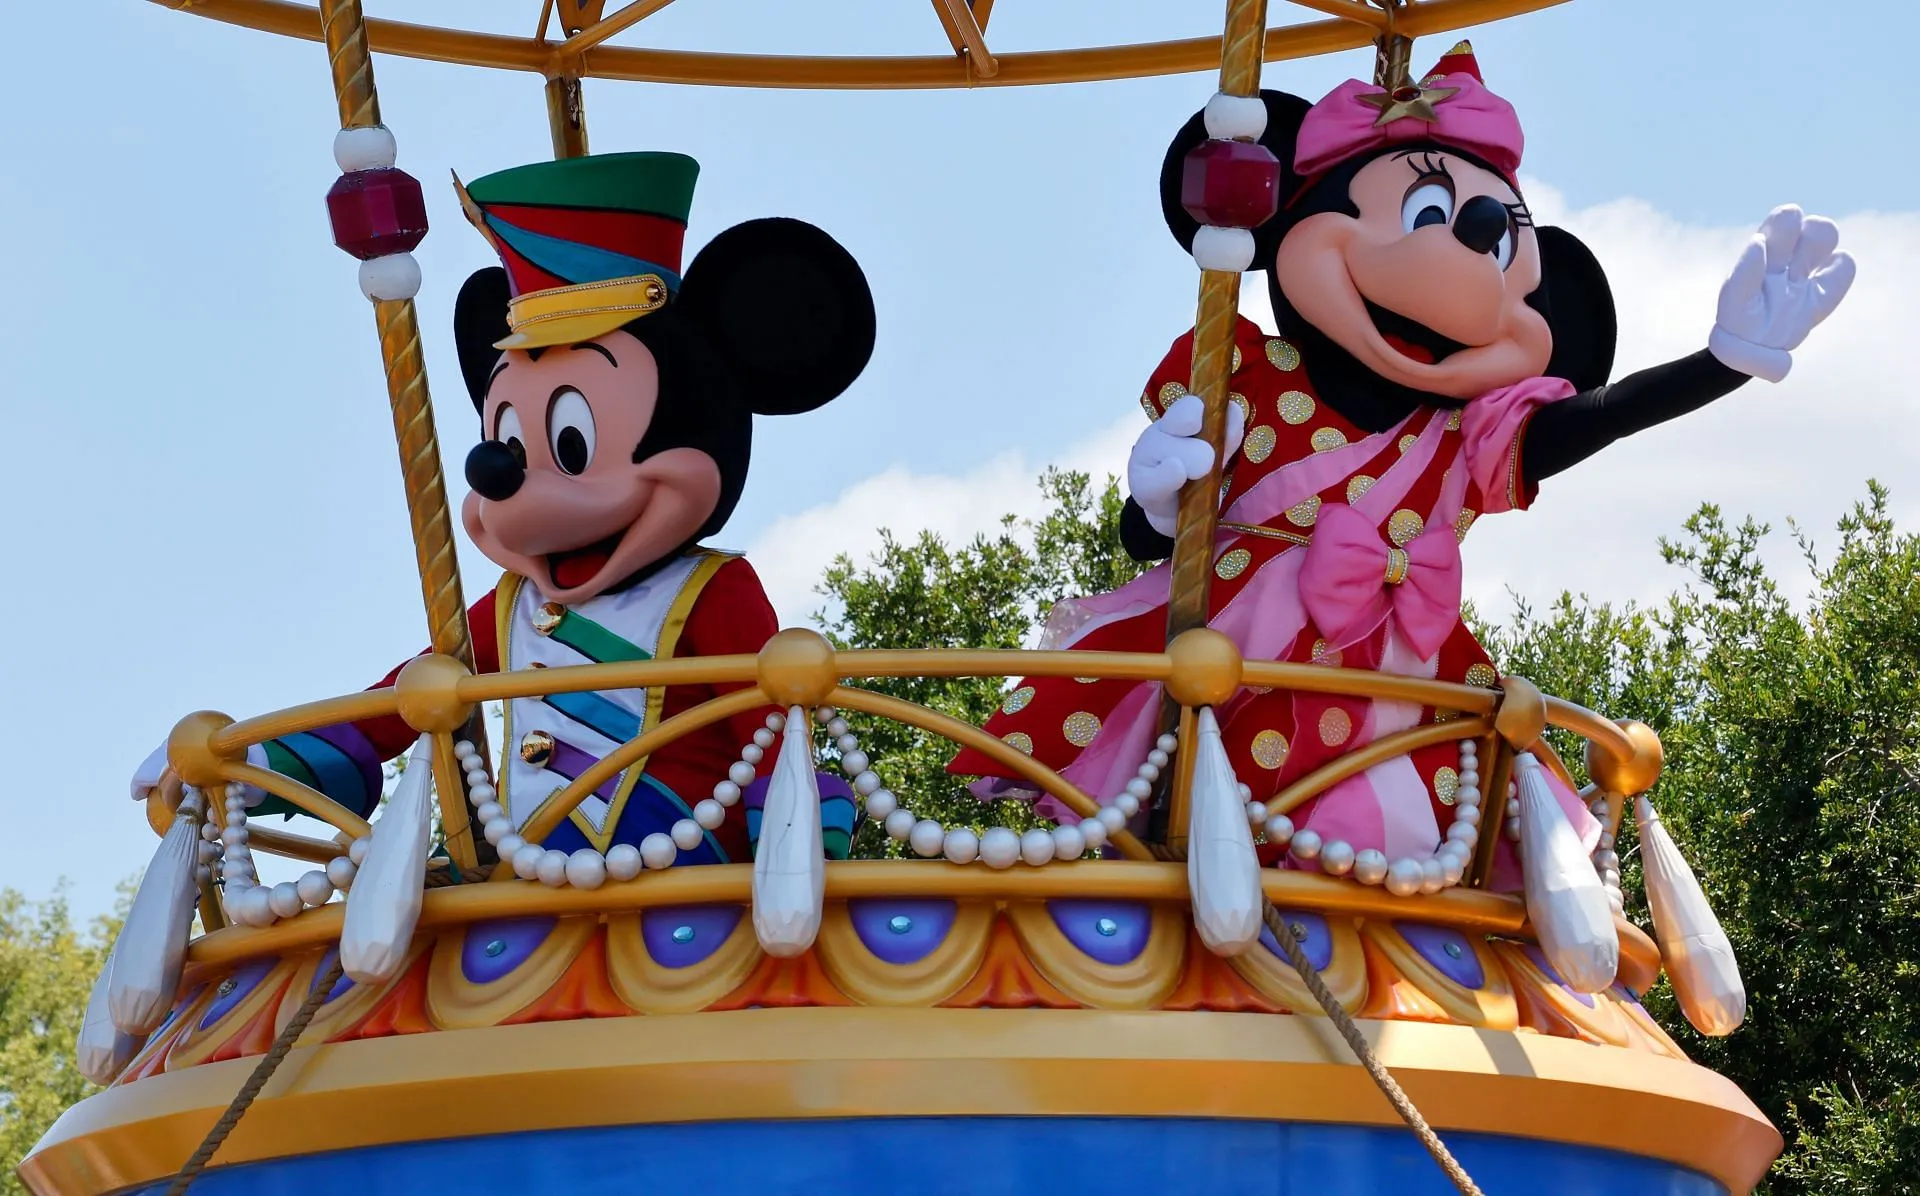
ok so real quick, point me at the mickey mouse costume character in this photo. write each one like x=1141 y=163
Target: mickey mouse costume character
x=1439 y=357
x=616 y=402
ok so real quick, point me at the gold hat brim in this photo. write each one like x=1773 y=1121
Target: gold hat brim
x=588 y=311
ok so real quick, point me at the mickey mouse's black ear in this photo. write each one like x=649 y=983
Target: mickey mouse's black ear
x=1578 y=304
x=479 y=321
x=1284 y=114
x=788 y=309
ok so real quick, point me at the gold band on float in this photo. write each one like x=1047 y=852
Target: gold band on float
x=786 y=1064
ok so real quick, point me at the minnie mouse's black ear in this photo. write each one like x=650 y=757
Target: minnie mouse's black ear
x=1578 y=304
x=788 y=309
x=479 y=321
x=1284 y=114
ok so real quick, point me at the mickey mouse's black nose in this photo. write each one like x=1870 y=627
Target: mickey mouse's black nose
x=1480 y=223
x=493 y=471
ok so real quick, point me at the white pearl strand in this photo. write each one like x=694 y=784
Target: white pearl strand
x=251 y=903
x=1002 y=846
x=1606 y=861
x=1402 y=877
x=588 y=868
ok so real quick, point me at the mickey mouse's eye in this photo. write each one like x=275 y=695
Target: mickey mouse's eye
x=506 y=429
x=1428 y=203
x=570 y=430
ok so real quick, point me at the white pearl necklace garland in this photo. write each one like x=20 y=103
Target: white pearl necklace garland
x=1002 y=846
x=1403 y=877
x=251 y=903
x=588 y=868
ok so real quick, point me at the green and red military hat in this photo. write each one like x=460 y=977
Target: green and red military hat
x=589 y=244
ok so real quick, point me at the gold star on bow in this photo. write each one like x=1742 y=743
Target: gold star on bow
x=1404 y=102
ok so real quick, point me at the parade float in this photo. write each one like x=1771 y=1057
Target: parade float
x=1317 y=907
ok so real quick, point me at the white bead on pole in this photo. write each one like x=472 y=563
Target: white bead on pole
x=1226 y=249
x=1565 y=900
x=103 y=1049
x=153 y=942
x=1698 y=958
x=384 y=904
x=1235 y=118
x=790 y=864
x=392 y=276
x=370 y=147
x=1223 y=872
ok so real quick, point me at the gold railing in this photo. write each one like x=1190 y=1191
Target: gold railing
x=437 y=696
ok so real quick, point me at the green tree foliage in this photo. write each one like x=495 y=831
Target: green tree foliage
x=1793 y=775
x=991 y=593
x=1793 y=784
x=47 y=967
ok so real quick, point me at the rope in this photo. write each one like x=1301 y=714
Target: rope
x=1356 y=1042
x=262 y=1072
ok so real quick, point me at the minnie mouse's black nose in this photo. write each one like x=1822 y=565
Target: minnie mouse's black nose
x=493 y=471
x=1480 y=224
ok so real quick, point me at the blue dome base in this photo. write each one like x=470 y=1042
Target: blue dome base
x=964 y=1156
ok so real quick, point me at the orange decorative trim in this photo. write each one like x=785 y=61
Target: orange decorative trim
x=930 y=980
x=650 y=987
x=1141 y=983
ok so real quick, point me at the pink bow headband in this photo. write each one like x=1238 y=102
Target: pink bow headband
x=1358 y=117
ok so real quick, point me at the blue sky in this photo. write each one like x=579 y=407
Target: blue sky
x=204 y=499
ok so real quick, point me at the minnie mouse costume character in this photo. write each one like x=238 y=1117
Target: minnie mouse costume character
x=616 y=402
x=1439 y=356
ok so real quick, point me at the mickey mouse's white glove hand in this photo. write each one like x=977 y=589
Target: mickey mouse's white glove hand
x=1170 y=453
x=1788 y=279
x=153 y=770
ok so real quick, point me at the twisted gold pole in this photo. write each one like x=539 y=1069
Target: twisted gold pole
x=567 y=116
x=1192 y=569
x=344 y=29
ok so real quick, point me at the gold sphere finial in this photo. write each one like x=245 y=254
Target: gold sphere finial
x=190 y=749
x=1636 y=774
x=797 y=668
x=428 y=689
x=1522 y=714
x=1206 y=668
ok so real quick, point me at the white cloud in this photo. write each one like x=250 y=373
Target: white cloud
x=1802 y=449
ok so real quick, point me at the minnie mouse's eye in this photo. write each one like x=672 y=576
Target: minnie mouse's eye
x=506 y=429
x=1428 y=203
x=570 y=430
x=1503 y=248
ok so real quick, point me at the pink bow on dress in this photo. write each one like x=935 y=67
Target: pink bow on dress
x=1352 y=578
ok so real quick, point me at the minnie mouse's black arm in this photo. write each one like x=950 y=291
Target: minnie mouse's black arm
x=1561 y=435
x=1141 y=539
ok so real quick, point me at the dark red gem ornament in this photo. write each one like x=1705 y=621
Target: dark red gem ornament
x=377 y=212
x=1230 y=184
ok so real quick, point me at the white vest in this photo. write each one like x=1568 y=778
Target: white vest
x=549 y=740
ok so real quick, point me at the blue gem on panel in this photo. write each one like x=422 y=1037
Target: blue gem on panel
x=1086 y=925
x=901 y=931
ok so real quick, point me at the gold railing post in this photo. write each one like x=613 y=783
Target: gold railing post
x=343 y=27
x=567 y=116
x=1219 y=309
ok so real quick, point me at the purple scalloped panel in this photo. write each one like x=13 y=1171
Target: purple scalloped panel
x=1539 y=960
x=900 y=930
x=1450 y=952
x=1109 y=932
x=680 y=936
x=1311 y=929
x=494 y=949
x=244 y=981
x=340 y=986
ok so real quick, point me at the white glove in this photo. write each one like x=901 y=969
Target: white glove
x=147 y=777
x=1170 y=453
x=1788 y=279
